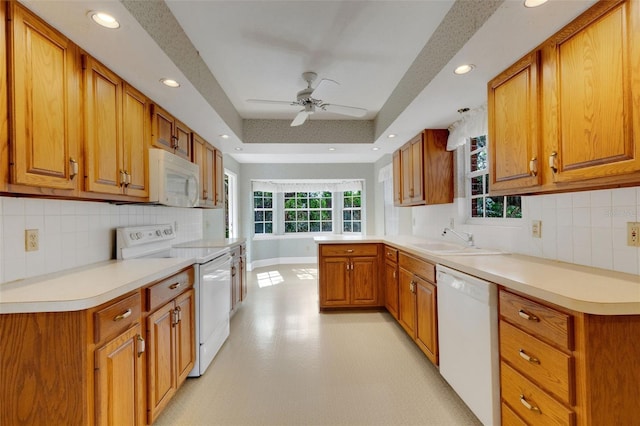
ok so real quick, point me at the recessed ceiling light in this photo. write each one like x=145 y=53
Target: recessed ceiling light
x=104 y=19
x=238 y=148
x=391 y=135
x=224 y=136
x=332 y=149
x=534 y=3
x=169 y=82
x=463 y=69
x=375 y=148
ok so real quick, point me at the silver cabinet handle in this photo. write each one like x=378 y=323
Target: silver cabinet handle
x=123 y=315
x=174 y=286
x=527 y=357
x=528 y=405
x=524 y=314
x=74 y=168
x=553 y=162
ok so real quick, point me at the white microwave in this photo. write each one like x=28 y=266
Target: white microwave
x=173 y=181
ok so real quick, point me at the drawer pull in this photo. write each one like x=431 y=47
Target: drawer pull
x=532 y=360
x=141 y=345
x=174 y=286
x=528 y=316
x=350 y=251
x=529 y=406
x=123 y=315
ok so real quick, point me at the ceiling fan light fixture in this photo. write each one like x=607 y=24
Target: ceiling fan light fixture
x=104 y=19
x=534 y=3
x=464 y=69
x=169 y=82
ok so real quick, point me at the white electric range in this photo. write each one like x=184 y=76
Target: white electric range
x=212 y=282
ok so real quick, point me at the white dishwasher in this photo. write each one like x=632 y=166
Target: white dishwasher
x=468 y=341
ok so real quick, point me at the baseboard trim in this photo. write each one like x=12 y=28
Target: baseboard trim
x=281 y=261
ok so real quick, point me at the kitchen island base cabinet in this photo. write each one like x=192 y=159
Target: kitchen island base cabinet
x=349 y=276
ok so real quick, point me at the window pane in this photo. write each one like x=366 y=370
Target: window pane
x=314 y=215
x=326 y=227
x=348 y=202
x=347 y=227
x=301 y=203
x=268 y=216
x=268 y=203
x=314 y=226
x=477 y=207
x=356 y=227
x=326 y=203
x=268 y=228
x=259 y=216
x=257 y=203
x=314 y=203
x=259 y=228
x=302 y=215
x=289 y=227
x=514 y=208
x=302 y=194
x=346 y=215
x=289 y=195
x=302 y=227
x=326 y=215
x=476 y=185
x=290 y=216
x=356 y=215
x=494 y=206
x=356 y=202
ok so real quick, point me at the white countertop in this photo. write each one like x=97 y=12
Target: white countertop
x=580 y=288
x=85 y=287
x=204 y=243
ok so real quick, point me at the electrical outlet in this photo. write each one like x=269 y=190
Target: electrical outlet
x=31 y=240
x=536 y=228
x=633 y=234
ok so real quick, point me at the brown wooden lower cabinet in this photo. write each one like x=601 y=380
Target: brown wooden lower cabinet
x=563 y=367
x=89 y=366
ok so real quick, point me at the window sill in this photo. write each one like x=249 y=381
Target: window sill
x=296 y=236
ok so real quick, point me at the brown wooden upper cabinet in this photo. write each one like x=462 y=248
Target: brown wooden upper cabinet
x=117 y=133
x=45 y=132
x=170 y=134
x=588 y=132
x=424 y=169
x=211 y=172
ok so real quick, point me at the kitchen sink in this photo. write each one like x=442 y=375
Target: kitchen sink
x=450 y=249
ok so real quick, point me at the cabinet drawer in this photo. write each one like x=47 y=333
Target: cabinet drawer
x=509 y=418
x=349 y=250
x=391 y=254
x=530 y=402
x=417 y=266
x=116 y=318
x=547 y=366
x=167 y=289
x=539 y=320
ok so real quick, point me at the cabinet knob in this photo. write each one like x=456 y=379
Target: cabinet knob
x=533 y=166
x=73 y=168
x=526 y=315
x=553 y=162
x=527 y=357
x=528 y=405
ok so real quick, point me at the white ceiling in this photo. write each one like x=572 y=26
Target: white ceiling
x=232 y=51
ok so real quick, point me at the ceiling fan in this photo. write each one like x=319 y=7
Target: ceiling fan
x=306 y=100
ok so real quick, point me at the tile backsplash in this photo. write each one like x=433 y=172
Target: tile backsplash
x=585 y=228
x=75 y=233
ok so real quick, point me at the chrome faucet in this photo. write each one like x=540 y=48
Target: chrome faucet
x=467 y=237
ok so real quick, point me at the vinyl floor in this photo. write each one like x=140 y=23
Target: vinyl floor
x=287 y=364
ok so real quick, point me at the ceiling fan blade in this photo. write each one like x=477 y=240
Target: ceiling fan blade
x=300 y=118
x=345 y=110
x=323 y=88
x=266 y=101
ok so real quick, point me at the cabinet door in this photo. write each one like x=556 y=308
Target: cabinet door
x=397 y=178
x=391 y=288
x=363 y=281
x=135 y=141
x=417 y=170
x=185 y=335
x=334 y=273
x=406 y=179
x=236 y=290
x=218 y=200
x=183 y=140
x=162 y=129
x=211 y=178
x=426 y=319
x=407 y=302
x=119 y=381
x=103 y=143
x=45 y=76
x=595 y=62
x=161 y=360
x=514 y=140
x=199 y=157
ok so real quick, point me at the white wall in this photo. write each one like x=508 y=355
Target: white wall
x=585 y=228
x=75 y=233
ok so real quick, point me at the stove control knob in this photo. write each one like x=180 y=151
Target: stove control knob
x=133 y=236
x=139 y=235
x=159 y=233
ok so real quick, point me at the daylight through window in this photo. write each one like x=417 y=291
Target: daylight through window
x=308 y=212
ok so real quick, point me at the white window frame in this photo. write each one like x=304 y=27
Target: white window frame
x=274 y=219
x=499 y=221
x=232 y=203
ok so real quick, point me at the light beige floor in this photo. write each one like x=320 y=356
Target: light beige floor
x=286 y=364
